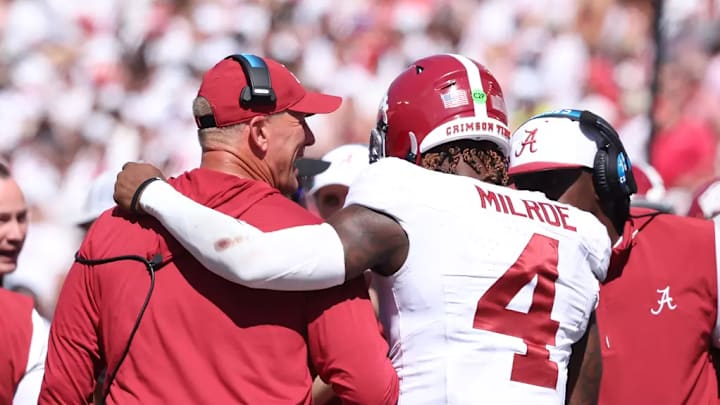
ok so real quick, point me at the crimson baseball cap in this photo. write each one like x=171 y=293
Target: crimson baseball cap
x=222 y=84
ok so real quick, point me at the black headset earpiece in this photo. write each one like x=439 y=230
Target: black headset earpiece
x=259 y=91
x=612 y=168
x=601 y=177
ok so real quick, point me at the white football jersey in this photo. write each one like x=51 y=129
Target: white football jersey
x=497 y=286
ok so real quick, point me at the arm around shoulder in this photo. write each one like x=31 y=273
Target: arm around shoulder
x=311 y=259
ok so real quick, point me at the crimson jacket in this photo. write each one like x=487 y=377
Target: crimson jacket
x=204 y=340
x=16 y=331
x=658 y=315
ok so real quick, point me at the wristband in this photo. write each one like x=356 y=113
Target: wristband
x=138 y=192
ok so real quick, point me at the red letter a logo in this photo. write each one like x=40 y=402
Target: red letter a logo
x=529 y=142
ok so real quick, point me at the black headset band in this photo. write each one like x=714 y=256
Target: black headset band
x=605 y=130
x=257 y=74
x=259 y=90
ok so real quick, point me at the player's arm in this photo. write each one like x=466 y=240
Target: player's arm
x=73 y=351
x=585 y=368
x=370 y=240
x=312 y=257
x=322 y=392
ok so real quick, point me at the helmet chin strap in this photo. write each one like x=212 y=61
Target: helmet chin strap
x=413 y=153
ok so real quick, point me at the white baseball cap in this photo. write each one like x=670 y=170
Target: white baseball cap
x=346 y=162
x=98 y=199
x=548 y=143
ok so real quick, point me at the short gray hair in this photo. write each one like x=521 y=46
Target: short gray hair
x=212 y=135
x=201 y=107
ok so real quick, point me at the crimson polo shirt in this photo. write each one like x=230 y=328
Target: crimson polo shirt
x=656 y=317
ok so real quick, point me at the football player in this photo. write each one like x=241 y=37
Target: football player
x=658 y=310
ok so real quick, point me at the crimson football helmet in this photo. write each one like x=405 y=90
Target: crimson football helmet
x=439 y=99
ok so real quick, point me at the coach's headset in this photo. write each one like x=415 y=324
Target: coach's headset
x=258 y=93
x=612 y=171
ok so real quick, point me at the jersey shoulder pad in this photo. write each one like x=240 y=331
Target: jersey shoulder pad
x=382 y=184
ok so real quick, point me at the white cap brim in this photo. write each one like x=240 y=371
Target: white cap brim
x=346 y=162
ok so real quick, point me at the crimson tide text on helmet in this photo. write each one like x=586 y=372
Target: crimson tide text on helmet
x=439 y=99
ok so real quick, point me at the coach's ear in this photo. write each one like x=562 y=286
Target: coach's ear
x=258 y=132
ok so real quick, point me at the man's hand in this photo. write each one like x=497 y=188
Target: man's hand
x=130 y=179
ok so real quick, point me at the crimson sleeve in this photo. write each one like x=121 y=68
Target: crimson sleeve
x=73 y=352
x=346 y=347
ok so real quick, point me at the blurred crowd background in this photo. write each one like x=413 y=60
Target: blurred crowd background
x=87 y=85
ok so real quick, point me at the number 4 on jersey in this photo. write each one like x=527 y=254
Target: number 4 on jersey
x=540 y=257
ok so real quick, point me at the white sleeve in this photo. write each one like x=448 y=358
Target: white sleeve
x=28 y=389
x=378 y=186
x=307 y=257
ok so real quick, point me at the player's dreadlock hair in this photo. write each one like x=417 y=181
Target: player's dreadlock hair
x=484 y=157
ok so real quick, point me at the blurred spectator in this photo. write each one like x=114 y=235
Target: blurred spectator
x=330 y=187
x=48 y=252
x=650 y=189
x=684 y=148
x=706 y=200
x=684 y=153
x=16 y=274
x=23 y=333
x=99 y=198
x=13 y=222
